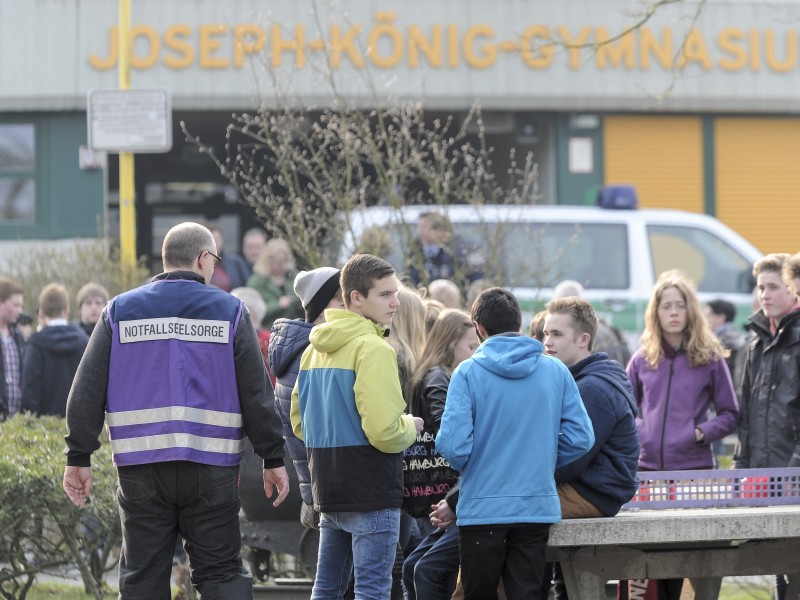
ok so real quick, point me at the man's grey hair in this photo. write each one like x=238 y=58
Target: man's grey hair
x=184 y=244
x=568 y=287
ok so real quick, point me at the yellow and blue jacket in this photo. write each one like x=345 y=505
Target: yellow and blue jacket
x=348 y=408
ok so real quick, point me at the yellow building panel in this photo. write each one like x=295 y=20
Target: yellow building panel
x=758 y=180
x=661 y=156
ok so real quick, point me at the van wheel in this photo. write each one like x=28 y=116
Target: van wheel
x=258 y=561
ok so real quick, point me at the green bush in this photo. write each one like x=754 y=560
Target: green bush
x=72 y=266
x=39 y=526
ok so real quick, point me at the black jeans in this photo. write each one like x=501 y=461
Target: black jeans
x=160 y=501
x=514 y=552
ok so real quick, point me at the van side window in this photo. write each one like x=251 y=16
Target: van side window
x=711 y=262
x=537 y=255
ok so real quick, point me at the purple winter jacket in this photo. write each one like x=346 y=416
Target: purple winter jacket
x=674 y=399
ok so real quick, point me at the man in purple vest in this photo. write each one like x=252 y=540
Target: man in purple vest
x=175 y=370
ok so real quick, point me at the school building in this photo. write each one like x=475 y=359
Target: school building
x=695 y=104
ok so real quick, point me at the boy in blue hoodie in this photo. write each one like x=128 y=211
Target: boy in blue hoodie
x=512 y=416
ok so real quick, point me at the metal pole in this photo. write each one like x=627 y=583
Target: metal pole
x=127 y=191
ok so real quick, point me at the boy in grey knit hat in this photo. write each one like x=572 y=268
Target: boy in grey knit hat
x=317 y=289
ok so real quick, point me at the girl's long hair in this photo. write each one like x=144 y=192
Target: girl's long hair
x=442 y=339
x=407 y=335
x=700 y=343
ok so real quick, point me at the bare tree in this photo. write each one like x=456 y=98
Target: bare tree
x=304 y=173
x=306 y=169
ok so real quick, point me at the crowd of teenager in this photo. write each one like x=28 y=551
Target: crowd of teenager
x=519 y=452
x=435 y=442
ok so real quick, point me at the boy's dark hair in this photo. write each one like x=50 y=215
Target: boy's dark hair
x=360 y=272
x=8 y=288
x=724 y=308
x=584 y=317
x=53 y=300
x=497 y=311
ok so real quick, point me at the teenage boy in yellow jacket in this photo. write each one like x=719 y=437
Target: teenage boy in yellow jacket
x=348 y=408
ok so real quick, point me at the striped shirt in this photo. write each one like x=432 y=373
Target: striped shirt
x=12 y=368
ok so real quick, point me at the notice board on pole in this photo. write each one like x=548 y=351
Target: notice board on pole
x=137 y=121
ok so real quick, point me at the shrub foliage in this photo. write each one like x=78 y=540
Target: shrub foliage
x=39 y=526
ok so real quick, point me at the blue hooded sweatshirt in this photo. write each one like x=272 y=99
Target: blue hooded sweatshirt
x=511 y=417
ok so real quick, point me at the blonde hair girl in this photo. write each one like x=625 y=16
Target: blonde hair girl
x=407 y=335
x=273 y=278
x=451 y=339
x=696 y=337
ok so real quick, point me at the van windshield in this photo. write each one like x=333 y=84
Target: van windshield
x=535 y=255
x=703 y=256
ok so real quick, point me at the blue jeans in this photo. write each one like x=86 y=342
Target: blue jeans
x=362 y=542
x=160 y=501
x=409 y=532
x=429 y=572
x=425 y=527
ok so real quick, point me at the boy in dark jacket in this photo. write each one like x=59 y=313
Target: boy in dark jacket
x=52 y=356
x=603 y=479
x=769 y=430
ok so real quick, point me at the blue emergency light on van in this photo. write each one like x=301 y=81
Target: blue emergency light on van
x=619 y=197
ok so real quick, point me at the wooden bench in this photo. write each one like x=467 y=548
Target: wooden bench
x=737 y=534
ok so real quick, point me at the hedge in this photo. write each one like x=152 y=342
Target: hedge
x=39 y=527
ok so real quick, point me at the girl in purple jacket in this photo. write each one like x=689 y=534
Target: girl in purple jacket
x=677 y=376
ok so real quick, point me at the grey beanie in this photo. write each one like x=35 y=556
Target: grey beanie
x=315 y=289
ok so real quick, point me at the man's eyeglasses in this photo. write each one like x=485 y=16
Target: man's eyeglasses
x=216 y=258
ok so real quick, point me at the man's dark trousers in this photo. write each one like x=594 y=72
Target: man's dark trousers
x=160 y=501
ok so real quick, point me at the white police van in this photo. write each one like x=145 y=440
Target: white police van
x=615 y=250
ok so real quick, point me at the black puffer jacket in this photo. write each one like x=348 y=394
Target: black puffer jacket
x=287 y=341
x=769 y=431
